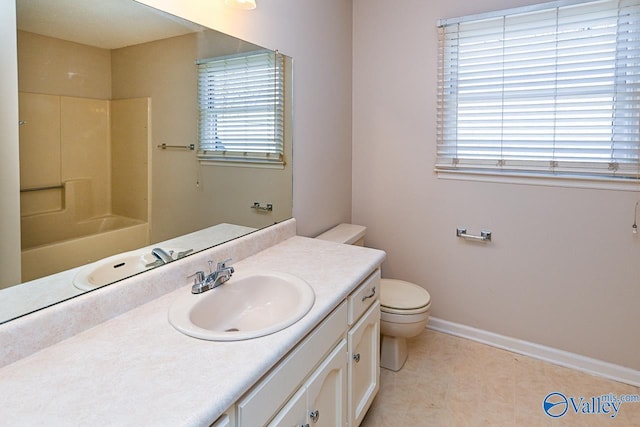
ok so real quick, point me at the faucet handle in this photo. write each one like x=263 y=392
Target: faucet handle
x=223 y=264
x=199 y=277
x=219 y=266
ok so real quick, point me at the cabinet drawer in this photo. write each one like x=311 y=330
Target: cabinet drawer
x=261 y=403
x=367 y=293
x=225 y=420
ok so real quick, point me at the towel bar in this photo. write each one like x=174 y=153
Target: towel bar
x=186 y=147
x=485 y=236
x=48 y=187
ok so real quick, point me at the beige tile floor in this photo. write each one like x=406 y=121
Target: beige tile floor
x=450 y=381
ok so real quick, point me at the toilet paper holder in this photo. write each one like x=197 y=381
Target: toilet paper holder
x=259 y=208
x=485 y=235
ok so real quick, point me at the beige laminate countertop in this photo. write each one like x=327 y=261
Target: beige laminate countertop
x=136 y=369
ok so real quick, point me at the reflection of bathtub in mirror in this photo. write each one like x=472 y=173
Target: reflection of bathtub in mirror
x=86 y=241
x=76 y=206
x=67 y=235
x=39 y=293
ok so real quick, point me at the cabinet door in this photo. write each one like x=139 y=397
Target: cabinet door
x=327 y=391
x=364 y=364
x=294 y=414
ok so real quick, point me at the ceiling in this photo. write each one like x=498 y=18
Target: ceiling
x=91 y=22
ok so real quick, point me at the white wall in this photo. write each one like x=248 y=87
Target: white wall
x=563 y=269
x=10 y=175
x=317 y=34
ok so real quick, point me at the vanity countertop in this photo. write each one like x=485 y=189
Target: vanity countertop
x=136 y=369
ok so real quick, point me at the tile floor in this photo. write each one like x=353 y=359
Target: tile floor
x=454 y=382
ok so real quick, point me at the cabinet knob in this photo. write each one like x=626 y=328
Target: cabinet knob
x=314 y=415
x=371 y=295
x=356 y=357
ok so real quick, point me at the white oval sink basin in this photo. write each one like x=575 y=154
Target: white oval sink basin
x=114 y=268
x=243 y=308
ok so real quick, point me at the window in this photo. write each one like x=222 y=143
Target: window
x=241 y=100
x=550 y=89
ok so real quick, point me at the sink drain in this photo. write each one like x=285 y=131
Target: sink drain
x=232 y=330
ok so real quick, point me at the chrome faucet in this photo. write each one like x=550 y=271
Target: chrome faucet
x=202 y=283
x=162 y=257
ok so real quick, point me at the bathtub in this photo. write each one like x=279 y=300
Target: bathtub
x=49 y=248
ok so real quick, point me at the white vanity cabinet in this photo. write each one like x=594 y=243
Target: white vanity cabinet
x=331 y=377
x=322 y=400
x=282 y=385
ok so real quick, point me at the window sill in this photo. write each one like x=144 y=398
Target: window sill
x=243 y=164
x=568 y=181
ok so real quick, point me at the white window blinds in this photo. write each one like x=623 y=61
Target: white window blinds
x=553 y=88
x=241 y=99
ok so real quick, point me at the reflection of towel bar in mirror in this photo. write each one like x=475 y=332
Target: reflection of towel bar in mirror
x=484 y=236
x=256 y=206
x=185 y=147
x=50 y=187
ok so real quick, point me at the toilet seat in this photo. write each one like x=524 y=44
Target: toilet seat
x=403 y=298
x=423 y=316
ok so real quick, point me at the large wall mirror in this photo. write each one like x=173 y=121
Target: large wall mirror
x=108 y=100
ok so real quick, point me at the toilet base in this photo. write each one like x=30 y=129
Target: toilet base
x=393 y=352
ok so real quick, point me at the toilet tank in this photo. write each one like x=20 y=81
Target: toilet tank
x=349 y=234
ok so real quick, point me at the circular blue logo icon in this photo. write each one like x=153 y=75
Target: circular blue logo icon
x=555 y=404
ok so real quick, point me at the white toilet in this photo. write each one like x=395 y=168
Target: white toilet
x=404 y=306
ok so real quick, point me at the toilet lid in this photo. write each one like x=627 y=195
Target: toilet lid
x=401 y=295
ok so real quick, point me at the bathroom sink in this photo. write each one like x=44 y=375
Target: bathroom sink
x=117 y=267
x=243 y=308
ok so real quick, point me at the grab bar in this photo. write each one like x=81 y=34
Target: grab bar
x=50 y=187
x=185 y=147
x=485 y=236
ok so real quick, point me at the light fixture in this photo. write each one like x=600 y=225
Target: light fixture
x=241 y=4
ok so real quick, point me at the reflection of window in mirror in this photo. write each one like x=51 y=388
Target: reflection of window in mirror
x=241 y=104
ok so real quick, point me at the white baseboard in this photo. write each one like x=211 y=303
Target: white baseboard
x=537 y=351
